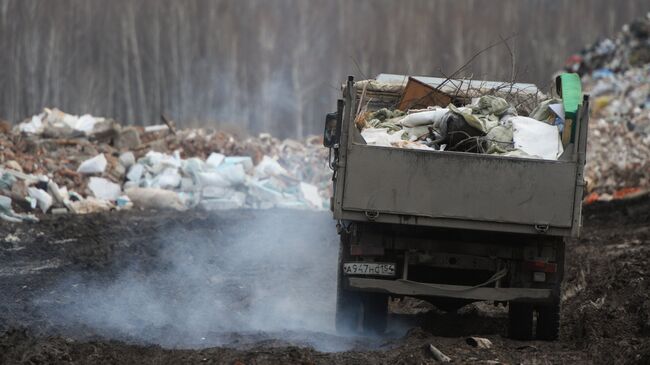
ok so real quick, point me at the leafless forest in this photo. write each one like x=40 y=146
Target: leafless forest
x=269 y=65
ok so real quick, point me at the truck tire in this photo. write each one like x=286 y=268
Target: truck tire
x=548 y=322
x=520 y=321
x=375 y=313
x=348 y=303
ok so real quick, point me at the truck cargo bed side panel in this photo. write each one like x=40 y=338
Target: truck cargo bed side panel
x=459 y=185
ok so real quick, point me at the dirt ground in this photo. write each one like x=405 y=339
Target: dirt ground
x=605 y=313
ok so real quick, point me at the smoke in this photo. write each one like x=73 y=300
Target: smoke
x=260 y=276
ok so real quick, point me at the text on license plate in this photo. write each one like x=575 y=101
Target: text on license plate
x=369 y=268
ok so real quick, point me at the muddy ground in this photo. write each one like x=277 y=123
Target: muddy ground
x=152 y=287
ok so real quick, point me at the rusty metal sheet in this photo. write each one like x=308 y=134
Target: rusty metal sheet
x=418 y=95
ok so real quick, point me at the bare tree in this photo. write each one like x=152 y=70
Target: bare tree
x=269 y=65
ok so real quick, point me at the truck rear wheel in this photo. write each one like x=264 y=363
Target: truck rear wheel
x=375 y=313
x=520 y=321
x=348 y=303
x=548 y=322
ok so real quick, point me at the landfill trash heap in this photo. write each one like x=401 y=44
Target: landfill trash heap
x=59 y=163
x=510 y=120
x=630 y=48
x=616 y=72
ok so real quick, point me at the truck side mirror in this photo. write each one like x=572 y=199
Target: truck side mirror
x=333 y=122
x=330 y=137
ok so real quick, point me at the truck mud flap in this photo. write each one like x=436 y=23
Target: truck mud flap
x=411 y=288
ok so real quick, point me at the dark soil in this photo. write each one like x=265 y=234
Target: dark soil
x=605 y=312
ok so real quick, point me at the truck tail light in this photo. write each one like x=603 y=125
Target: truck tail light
x=540 y=266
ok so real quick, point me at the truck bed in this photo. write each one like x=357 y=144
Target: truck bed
x=459 y=190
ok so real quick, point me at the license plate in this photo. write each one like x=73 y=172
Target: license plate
x=369 y=268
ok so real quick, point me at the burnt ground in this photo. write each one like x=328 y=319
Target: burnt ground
x=161 y=287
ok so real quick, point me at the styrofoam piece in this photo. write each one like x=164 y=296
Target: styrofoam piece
x=95 y=165
x=43 y=199
x=104 y=189
x=310 y=194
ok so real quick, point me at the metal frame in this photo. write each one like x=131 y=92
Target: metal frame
x=410 y=288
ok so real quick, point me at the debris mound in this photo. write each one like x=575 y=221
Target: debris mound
x=616 y=73
x=56 y=162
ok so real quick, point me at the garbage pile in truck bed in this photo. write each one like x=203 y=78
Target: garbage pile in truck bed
x=490 y=121
x=616 y=73
x=61 y=163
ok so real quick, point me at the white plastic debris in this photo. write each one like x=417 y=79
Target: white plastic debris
x=479 y=342
x=154 y=198
x=234 y=201
x=91 y=205
x=7 y=213
x=310 y=194
x=169 y=178
x=156 y=128
x=104 y=189
x=59 y=195
x=43 y=199
x=269 y=167
x=159 y=161
x=95 y=165
x=265 y=194
x=225 y=176
x=438 y=355
x=215 y=192
x=423 y=118
x=86 y=123
x=127 y=159
x=381 y=137
x=245 y=161
x=558 y=109
x=135 y=173
x=187 y=184
x=537 y=138
x=215 y=159
x=34 y=126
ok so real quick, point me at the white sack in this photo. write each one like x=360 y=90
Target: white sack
x=537 y=138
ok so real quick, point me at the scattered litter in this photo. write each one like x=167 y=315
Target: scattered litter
x=479 y=342
x=7 y=213
x=95 y=165
x=616 y=72
x=438 y=355
x=43 y=199
x=487 y=124
x=310 y=194
x=90 y=164
x=91 y=205
x=104 y=189
x=57 y=211
x=127 y=159
x=155 y=198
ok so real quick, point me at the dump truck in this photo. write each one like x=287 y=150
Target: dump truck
x=450 y=228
